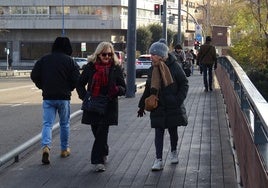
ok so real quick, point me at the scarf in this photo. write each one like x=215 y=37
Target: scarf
x=160 y=73
x=100 y=77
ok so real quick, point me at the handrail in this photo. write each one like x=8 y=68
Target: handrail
x=250 y=98
x=247 y=116
x=252 y=104
x=18 y=150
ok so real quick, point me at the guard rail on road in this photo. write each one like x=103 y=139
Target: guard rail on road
x=23 y=147
x=15 y=73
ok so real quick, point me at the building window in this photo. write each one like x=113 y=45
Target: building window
x=124 y=11
x=66 y=10
x=15 y=10
x=1 y=10
x=34 y=50
x=90 y=10
x=42 y=10
x=28 y=10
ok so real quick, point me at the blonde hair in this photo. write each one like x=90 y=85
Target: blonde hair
x=100 y=48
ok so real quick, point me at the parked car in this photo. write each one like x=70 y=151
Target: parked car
x=80 y=61
x=143 y=63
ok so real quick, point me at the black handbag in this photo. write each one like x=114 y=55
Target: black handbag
x=96 y=104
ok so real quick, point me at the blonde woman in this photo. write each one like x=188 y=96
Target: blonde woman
x=102 y=76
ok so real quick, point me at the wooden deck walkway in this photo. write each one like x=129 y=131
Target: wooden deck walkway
x=205 y=153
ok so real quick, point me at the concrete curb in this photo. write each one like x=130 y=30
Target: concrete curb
x=15 y=73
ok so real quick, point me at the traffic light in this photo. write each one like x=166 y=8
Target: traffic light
x=196 y=44
x=162 y=9
x=156 y=9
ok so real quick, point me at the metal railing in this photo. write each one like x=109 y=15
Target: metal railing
x=247 y=115
x=254 y=106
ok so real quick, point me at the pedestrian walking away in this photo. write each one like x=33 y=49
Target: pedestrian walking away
x=56 y=74
x=168 y=83
x=101 y=76
x=207 y=58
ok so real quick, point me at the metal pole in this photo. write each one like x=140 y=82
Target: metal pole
x=7 y=57
x=208 y=17
x=187 y=16
x=164 y=17
x=195 y=21
x=63 y=31
x=131 y=49
x=179 y=23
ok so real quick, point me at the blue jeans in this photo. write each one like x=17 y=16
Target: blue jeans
x=50 y=109
x=207 y=69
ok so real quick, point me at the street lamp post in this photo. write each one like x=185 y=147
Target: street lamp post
x=63 y=31
x=179 y=22
x=131 y=49
x=206 y=8
x=164 y=17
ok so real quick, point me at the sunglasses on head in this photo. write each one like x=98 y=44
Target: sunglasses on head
x=105 y=54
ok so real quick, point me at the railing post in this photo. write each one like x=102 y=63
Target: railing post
x=259 y=134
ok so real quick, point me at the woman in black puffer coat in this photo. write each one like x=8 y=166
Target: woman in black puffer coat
x=171 y=111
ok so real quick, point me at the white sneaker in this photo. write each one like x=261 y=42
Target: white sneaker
x=174 y=157
x=158 y=165
x=99 y=168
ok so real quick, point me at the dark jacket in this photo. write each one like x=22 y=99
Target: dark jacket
x=56 y=74
x=115 y=77
x=207 y=54
x=171 y=111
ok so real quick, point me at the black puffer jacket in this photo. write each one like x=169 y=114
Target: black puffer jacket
x=115 y=77
x=171 y=111
x=56 y=74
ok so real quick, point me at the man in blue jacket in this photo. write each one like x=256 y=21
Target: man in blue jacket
x=56 y=74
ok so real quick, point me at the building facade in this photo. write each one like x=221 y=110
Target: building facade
x=29 y=27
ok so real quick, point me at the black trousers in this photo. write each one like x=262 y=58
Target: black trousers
x=159 y=140
x=207 y=69
x=100 y=146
